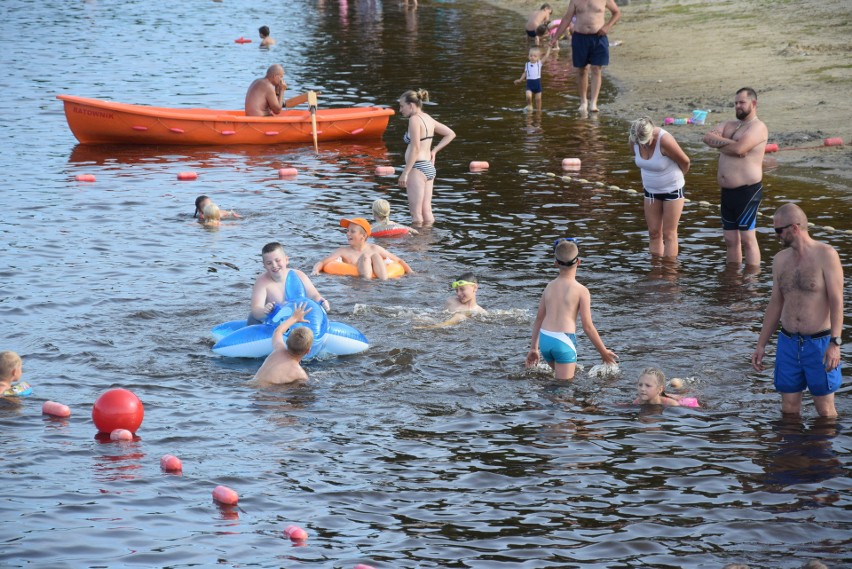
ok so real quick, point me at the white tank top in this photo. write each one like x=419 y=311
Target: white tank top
x=660 y=174
x=534 y=70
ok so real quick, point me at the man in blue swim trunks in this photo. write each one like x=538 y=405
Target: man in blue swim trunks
x=555 y=326
x=807 y=300
x=589 y=44
x=741 y=144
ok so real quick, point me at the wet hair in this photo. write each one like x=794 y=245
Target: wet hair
x=264 y=31
x=546 y=6
x=469 y=277
x=198 y=201
x=656 y=373
x=752 y=94
x=641 y=130
x=300 y=340
x=211 y=212
x=9 y=361
x=381 y=209
x=272 y=247
x=566 y=253
x=416 y=97
x=541 y=31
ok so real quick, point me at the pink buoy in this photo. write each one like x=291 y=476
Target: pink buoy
x=287 y=173
x=478 y=165
x=121 y=435
x=385 y=171
x=55 y=409
x=835 y=141
x=118 y=409
x=85 y=177
x=295 y=533
x=772 y=148
x=171 y=463
x=571 y=163
x=187 y=176
x=688 y=402
x=225 y=495
x=669 y=120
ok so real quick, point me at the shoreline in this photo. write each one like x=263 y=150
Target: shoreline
x=680 y=55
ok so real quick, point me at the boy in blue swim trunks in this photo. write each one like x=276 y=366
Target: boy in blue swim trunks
x=807 y=301
x=554 y=329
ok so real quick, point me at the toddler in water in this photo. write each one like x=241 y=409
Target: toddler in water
x=211 y=215
x=383 y=226
x=651 y=388
x=532 y=75
x=11 y=368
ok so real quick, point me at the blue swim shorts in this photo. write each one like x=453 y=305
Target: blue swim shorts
x=559 y=347
x=739 y=207
x=534 y=85
x=799 y=364
x=589 y=49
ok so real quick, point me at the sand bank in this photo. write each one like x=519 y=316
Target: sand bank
x=679 y=55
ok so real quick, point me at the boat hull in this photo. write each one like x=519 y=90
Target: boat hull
x=93 y=121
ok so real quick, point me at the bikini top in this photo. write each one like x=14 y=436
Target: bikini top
x=407 y=139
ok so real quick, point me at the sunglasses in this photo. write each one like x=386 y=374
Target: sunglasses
x=780 y=230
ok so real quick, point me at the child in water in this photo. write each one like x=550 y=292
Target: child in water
x=554 y=329
x=463 y=304
x=537 y=19
x=211 y=215
x=11 y=368
x=651 y=388
x=381 y=215
x=202 y=202
x=282 y=365
x=268 y=290
x=370 y=259
x=532 y=75
x=265 y=40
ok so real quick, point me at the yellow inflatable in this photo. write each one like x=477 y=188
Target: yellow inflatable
x=395 y=270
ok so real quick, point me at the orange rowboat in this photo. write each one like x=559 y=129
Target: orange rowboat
x=103 y=122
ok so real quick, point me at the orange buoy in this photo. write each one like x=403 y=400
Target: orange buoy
x=242 y=40
x=287 y=173
x=225 y=495
x=571 y=163
x=836 y=141
x=121 y=435
x=85 y=177
x=771 y=147
x=187 y=176
x=385 y=171
x=55 y=409
x=477 y=166
x=171 y=463
x=295 y=533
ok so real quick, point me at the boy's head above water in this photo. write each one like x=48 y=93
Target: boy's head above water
x=357 y=222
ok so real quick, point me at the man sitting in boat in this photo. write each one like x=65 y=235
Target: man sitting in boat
x=265 y=95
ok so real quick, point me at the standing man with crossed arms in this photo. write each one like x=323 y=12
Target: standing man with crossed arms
x=589 y=44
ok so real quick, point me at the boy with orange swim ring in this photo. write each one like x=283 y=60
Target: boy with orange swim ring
x=282 y=365
x=268 y=290
x=369 y=259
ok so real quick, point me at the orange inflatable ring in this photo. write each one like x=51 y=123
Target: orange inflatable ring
x=400 y=231
x=395 y=270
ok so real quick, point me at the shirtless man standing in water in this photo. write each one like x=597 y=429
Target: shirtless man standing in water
x=807 y=300
x=741 y=144
x=589 y=44
x=265 y=96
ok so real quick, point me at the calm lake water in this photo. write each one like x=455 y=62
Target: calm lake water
x=434 y=448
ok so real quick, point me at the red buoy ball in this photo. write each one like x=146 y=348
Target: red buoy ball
x=117 y=409
x=121 y=435
x=225 y=495
x=185 y=176
x=772 y=147
x=287 y=173
x=295 y=533
x=171 y=463
x=834 y=141
x=85 y=177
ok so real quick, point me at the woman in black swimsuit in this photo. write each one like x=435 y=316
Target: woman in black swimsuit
x=418 y=176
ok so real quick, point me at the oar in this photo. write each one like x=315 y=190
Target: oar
x=297 y=100
x=312 y=101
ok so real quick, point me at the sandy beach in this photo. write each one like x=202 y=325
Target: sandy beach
x=679 y=55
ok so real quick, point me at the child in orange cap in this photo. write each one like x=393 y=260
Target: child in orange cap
x=370 y=259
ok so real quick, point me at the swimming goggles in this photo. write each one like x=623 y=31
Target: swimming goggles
x=457 y=284
x=556 y=243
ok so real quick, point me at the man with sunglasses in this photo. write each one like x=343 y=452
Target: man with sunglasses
x=555 y=326
x=807 y=300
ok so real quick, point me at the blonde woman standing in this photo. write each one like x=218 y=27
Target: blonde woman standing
x=663 y=164
x=418 y=176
